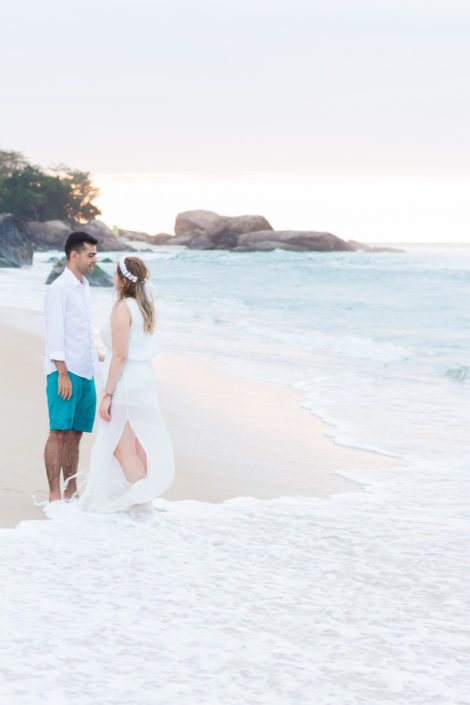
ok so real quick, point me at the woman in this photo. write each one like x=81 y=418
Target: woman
x=132 y=458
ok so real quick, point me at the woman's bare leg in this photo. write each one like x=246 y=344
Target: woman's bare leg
x=141 y=453
x=126 y=453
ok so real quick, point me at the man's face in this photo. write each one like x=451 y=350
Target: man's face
x=86 y=259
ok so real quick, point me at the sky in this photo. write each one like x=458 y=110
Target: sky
x=363 y=100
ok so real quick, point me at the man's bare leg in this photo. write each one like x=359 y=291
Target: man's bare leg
x=70 y=462
x=53 y=460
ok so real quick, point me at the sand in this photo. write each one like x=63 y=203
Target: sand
x=233 y=436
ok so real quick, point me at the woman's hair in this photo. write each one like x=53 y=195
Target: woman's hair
x=135 y=290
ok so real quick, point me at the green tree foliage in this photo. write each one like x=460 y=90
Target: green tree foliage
x=10 y=161
x=30 y=193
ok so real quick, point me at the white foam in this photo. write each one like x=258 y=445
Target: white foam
x=359 y=599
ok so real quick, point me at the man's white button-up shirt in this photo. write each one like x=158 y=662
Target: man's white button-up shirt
x=68 y=326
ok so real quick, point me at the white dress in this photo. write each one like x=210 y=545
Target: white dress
x=135 y=400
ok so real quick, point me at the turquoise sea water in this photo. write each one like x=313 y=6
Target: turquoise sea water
x=379 y=344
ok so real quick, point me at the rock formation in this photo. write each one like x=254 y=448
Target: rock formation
x=188 y=221
x=49 y=235
x=196 y=229
x=98 y=277
x=138 y=236
x=16 y=247
x=206 y=230
x=297 y=240
x=105 y=236
x=52 y=234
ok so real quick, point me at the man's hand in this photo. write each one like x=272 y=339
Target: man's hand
x=65 y=386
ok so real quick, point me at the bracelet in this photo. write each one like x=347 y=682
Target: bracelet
x=107 y=394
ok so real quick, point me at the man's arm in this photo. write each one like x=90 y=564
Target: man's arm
x=54 y=331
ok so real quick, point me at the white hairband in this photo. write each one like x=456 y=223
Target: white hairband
x=125 y=272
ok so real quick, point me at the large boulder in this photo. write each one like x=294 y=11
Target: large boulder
x=299 y=240
x=98 y=277
x=194 y=220
x=225 y=232
x=16 y=247
x=199 y=240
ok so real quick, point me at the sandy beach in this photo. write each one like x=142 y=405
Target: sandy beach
x=233 y=436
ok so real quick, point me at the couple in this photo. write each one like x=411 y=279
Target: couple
x=132 y=458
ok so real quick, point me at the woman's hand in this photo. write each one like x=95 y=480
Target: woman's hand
x=101 y=357
x=105 y=408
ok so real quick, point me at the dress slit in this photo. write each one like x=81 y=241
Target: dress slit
x=137 y=440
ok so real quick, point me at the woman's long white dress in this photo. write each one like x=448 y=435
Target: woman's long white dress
x=135 y=400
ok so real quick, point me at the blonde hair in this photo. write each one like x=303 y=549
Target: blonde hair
x=135 y=290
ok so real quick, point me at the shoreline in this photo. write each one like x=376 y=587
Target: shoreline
x=233 y=435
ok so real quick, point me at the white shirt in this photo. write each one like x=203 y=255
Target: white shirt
x=68 y=326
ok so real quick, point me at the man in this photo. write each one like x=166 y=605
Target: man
x=70 y=363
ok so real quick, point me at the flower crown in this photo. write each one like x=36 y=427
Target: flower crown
x=125 y=272
x=148 y=287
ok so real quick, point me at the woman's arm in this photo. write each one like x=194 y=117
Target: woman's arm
x=121 y=320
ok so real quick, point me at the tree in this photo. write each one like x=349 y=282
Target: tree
x=81 y=194
x=60 y=193
x=11 y=161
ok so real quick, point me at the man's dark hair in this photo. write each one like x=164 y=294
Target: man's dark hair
x=76 y=241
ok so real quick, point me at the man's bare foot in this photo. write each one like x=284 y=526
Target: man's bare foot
x=71 y=496
x=54 y=497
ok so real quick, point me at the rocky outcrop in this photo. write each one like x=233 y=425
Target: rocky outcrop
x=372 y=248
x=137 y=236
x=107 y=240
x=202 y=230
x=200 y=240
x=49 y=235
x=206 y=230
x=225 y=233
x=52 y=234
x=297 y=240
x=186 y=238
x=98 y=277
x=16 y=247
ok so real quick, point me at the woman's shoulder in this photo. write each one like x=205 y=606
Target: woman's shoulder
x=129 y=300
x=122 y=309
x=132 y=304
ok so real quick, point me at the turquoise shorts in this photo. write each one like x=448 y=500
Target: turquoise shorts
x=76 y=413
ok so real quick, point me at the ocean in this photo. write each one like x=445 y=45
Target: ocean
x=356 y=599
x=379 y=344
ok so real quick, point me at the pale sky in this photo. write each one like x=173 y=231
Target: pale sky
x=363 y=89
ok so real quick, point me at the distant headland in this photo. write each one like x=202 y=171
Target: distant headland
x=39 y=208
x=196 y=230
